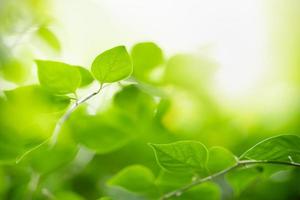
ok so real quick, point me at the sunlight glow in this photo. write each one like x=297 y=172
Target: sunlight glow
x=233 y=31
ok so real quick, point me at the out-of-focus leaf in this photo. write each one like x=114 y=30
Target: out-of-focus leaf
x=47 y=158
x=135 y=178
x=182 y=156
x=283 y=148
x=29 y=114
x=14 y=70
x=145 y=57
x=98 y=134
x=219 y=159
x=188 y=71
x=169 y=181
x=86 y=76
x=58 y=77
x=206 y=191
x=242 y=178
x=136 y=103
x=49 y=37
x=112 y=65
x=105 y=198
x=66 y=195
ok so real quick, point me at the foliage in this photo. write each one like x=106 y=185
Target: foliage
x=57 y=143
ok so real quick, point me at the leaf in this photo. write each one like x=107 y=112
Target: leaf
x=49 y=37
x=98 y=134
x=240 y=179
x=67 y=195
x=58 y=77
x=29 y=114
x=112 y=65
x=86 y=76
x=170 y=181
x=283 y=148
x=182 y=156
x=220 y=159
x=206 y=191
x=135 y=178
x=105 y=198
x=146 y=56
x=142 y=110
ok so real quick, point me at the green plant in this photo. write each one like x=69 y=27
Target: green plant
x=58 y=138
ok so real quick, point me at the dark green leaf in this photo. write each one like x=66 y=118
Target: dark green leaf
x=96 y=133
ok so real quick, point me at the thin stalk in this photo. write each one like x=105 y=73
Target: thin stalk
x=65 y=117
x=240 y=163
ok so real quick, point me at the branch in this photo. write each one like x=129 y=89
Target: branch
x=240 y=163
x=66 y=116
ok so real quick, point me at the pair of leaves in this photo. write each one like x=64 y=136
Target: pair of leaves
x=192 y=156
x=110 y=66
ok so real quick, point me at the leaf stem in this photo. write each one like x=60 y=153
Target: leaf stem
x=65 y=117
x=240 y=163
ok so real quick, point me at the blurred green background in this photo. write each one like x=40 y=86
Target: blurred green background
x=223 y=73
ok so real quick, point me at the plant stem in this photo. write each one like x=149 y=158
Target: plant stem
x=67 y=114
x=240 y=163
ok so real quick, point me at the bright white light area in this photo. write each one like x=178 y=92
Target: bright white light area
x=233 y=31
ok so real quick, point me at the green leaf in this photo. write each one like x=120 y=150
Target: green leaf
x=49 y=37
x=220 y=159
x=86 y=76
x=58 y=77
x=97 y=133
x=146 y=56
x=142 y=110
x=206 y=191
x=135 y=178
x=105 y=198
x=66 y=195
x=241 y=178
x=29 y=114
x=169 y=181
x=112 y=65
x=182 y=156
x=283 y=148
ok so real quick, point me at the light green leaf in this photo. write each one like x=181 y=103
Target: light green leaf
x=29 y=114
x=86 y=76
x=58 y=77
x=283 y=148
x=182 y=156
x=112 y=65
x=220 y=159
x=135 y=178
x=49 y=37
x=146 y=56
